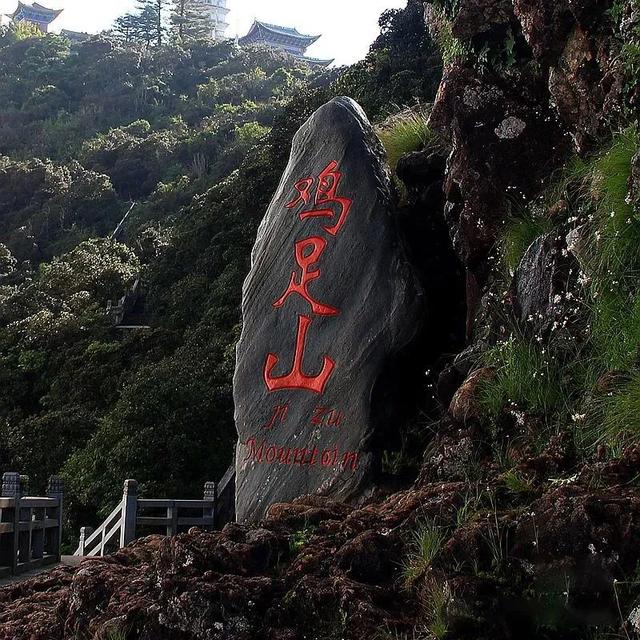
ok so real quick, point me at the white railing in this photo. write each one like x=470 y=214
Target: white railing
x=133 y=514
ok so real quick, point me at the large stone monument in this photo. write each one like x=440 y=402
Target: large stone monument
x=328 y=300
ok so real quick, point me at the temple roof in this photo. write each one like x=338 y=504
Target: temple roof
x=318 y=61
x=45 y=12
x=287 y=32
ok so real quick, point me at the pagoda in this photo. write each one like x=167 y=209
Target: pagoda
x=35 y=14
x=218 y=12
x=283 y=38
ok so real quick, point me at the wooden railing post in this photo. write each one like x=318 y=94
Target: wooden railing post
x=129 y=512
x=85 y=532
x=12 y=488
x=55 y=490
x=211 y=494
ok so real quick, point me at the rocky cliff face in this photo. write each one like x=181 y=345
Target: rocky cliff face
x=511 y=529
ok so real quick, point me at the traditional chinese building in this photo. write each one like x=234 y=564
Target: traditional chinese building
x=283 y=38
x=35 y=14
x=218 y=12
x=75 y=36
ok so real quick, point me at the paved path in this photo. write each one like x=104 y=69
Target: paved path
x=69 y=561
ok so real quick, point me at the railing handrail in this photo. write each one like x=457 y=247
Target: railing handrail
x=30 y=526
x=98 y=532
x=127 y=517
x=160 y=503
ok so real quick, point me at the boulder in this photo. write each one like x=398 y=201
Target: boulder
x=465 y=404
x=543 y=290
x=329 y=300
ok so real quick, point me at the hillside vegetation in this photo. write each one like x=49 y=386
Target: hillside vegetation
x=195 y=135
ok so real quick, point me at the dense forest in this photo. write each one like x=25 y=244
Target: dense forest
x=189 y=138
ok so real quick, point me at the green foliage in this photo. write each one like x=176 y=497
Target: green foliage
x=425 y=545
x=301 y=539
x=614 y=230
x=404 y=132
x=527 y=376
x=450 y=47
x=7 y=262
x=190 y=20
x=402 y=66
x=520 y=232
x=46 y=208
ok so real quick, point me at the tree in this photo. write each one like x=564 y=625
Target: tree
x=151 y=20
x=7 y=262
x=125 y=28
x=191 y=20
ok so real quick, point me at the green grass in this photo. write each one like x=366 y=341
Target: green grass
x=426 y=543
x=438 y=598
x=404 y=132
x=615 y=330
x=519 y=234
x=546 y=378
x=516 y=483
x=527 y=376
x=615 y=416
x=612 y=252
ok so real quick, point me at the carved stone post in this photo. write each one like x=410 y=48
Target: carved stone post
x=129 y=512
x=11 y=488
x=55 y=490
x=209 y=511
x=85 y=534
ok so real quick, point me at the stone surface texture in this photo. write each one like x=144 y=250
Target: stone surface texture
x=330 y=283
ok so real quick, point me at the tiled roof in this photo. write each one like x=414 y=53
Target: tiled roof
x=285 y=31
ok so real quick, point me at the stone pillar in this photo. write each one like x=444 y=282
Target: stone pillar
x=85 y=534
x=211 y=494
x=129 y=512
x=11 y=488
x=55 y=490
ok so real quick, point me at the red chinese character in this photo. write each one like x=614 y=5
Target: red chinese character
x=303 y=187
x=326 y=194
x=296 y=379
x=308 y=253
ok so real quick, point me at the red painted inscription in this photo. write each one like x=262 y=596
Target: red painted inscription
x=328 y=204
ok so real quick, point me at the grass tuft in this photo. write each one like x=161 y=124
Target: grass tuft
x=615 y=416
x=440 y=27
x=613 y=247
x=436 y=603
x=426 y=543
x=404 y=132
x=526 y=376
x=516 y=483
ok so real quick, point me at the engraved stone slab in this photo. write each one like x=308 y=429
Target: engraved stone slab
x=330 y=297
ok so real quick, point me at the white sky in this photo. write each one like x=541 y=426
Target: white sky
x=348 y=26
